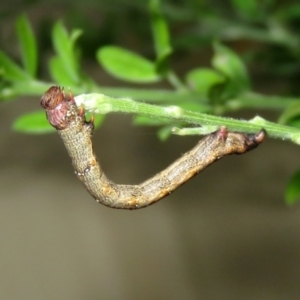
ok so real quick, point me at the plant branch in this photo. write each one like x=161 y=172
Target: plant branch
x=247 y=100
x=102 y=104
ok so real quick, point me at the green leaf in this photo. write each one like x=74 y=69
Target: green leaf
x=127 y=65
x=27 y=44
x=294 y=122
x=292 y=192
x=74 y=36
x=10 y=70
x=202 y=80
x=229 y=63
x=58 y=73
x=247 y=8
x=34 y=122
x=161 y=37
x=65 y=48
x=291 y=114
x=21 y=87
x=164 y=133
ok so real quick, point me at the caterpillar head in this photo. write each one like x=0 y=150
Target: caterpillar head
x=60 y=109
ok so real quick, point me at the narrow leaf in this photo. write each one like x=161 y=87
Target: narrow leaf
x=161 y=37
x=127 y=65
x=64 y=47
x=247 y=8
x=58 y=73
x=203 y=79
x=164 y=133
x=292 y=193
x=34 y=122
x=291 y=114
x=10 y=70
x=230 y=64
x=27 y=44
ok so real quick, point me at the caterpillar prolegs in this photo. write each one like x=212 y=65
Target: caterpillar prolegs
x=76 y=132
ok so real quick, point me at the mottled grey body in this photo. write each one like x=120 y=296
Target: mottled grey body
x=76 y=134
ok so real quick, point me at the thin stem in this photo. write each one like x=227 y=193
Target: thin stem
x=258 y=101
x=247 y=100
x=176 y=82
x=102 y=104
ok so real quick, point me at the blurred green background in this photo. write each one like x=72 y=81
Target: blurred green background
x=227 y=234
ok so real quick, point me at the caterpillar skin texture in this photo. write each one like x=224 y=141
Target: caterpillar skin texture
x=76 y=132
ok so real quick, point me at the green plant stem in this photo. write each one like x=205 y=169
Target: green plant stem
x=247 y=100
x=102 y=104
x=232 y=30
x=259 y=101
x=176 y=82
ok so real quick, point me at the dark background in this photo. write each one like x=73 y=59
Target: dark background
x=227 y=234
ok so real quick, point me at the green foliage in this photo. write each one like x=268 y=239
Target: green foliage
x=291 y=115
x=223 y=87
x=127 y=65
x=10 y=70
x=161 y=37
x=66 y=62
x=203 y=79
x=246 y=8
x=33 y=122
x=230 y=64
x=292 y=193
x=27 y=44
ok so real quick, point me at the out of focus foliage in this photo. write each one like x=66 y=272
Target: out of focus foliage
x=140 y=42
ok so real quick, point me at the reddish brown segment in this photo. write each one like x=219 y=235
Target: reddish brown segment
x=57 y=106
x=63 y=113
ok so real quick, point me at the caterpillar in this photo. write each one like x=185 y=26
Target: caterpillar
x=76 y=132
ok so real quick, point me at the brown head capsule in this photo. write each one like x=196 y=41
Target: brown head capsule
x=53 y=97
x=57 y=106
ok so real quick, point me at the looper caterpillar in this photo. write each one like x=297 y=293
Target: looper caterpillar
x=75 y=131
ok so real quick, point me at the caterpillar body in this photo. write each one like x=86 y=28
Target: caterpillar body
x=76 y=132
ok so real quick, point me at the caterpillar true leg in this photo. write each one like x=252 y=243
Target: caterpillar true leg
x=75 y=131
